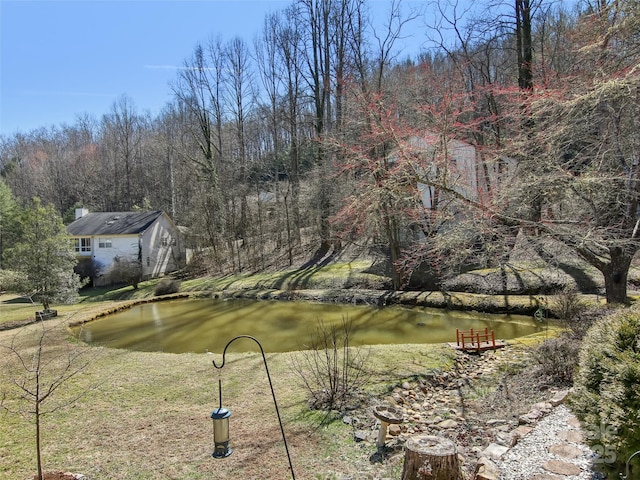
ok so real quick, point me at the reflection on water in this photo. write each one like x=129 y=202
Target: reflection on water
x=180 y=326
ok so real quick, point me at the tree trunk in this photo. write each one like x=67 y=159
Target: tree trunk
x=615 y=275
x=430 y=457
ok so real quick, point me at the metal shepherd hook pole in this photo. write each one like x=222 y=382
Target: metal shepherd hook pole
x=273 y=394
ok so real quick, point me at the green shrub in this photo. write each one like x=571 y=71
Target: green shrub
x=607 y=389
x=125 y=270
x=167 y=286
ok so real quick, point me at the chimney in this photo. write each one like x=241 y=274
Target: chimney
x=81 y=212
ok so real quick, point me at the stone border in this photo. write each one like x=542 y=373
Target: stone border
x=486 y=468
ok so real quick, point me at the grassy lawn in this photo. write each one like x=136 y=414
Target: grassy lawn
x=146 y=415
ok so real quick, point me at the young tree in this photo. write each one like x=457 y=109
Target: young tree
x=37 y=363
x=44 y=256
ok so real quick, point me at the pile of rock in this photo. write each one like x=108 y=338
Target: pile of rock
x=449 y=405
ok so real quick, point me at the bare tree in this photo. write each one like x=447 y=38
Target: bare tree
x=123 y=134
x=38 y=363
x=199 y=92
x=240 y=92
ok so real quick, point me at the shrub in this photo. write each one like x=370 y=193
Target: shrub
x=10 y=280
x=331 y=370
x=557 y=359
x=125 y=270
x=607 y=389
x=167 y=286
x=568 y=304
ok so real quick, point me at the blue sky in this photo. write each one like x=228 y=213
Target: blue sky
x=61 y=59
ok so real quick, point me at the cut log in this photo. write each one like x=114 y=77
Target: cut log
x=432 y=458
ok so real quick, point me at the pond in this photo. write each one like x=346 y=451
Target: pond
x=179 y=326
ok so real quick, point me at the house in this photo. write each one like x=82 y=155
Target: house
x=102 y=239
x=460 y=166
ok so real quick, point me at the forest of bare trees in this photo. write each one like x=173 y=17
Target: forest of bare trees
x=321 y=132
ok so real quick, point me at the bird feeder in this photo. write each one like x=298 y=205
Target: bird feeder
x=220 y=417
x=387 y=416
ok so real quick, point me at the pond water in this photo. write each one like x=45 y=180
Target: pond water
x=180 y=326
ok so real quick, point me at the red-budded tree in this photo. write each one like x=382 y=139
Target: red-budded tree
x=579 y=155
x=570 y=152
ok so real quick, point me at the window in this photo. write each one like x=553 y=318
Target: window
x=104 y=243
x=82 y=245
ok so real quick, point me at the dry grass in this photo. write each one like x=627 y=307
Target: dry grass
x=146 y=416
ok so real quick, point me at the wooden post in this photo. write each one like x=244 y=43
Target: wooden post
x=382 y=434
x=435 y=458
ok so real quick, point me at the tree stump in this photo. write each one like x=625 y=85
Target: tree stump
x=432 y=458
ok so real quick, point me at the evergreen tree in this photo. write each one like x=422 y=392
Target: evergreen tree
x=44 y=256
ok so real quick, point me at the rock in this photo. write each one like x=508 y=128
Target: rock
x=565 y=451
x=559 y=397
x=434 y=420
x=545 y=476
x=573 y=421
x=496 y=421
x=543 y=407
x=495 y=451
x=486 y=470
x=521 y=431
x=528 y=418
x=395 y=430
x=561 y=468
x=508 y=439
x=361 y=435
x=448 y=424
x=574 y=436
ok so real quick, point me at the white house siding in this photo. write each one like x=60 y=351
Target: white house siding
x=122 y=247
x=466 y=173
x=160 y=248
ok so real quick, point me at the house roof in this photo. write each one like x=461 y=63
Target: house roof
x=112 y=223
